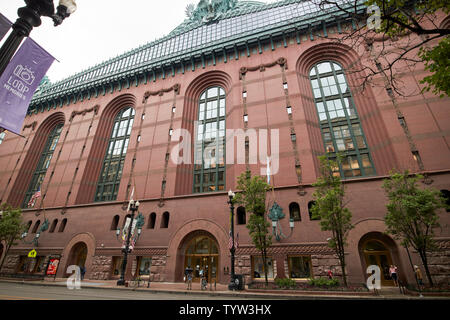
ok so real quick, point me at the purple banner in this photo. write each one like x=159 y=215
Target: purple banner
x=5 y=24
x=19 y=81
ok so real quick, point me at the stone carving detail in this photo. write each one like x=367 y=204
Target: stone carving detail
x=83 y=112
x=175 y=87
x=262 y=67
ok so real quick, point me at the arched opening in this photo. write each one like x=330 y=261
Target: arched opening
x=202 y=252
x=240 y=215
x=36 y=226
x=115 y=222
x=78 y=254
x=165 y=220
x=378 y=249
x=294 y=211
x=29 y=226
x=63 y=225
x=152 y=220
x=53 y=226
x=446 y=195
x=310 y=206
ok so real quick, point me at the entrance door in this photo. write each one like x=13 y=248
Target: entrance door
x=202 y=253
x=376 y=253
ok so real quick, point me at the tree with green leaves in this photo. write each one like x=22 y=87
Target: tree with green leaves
x=412 y=214
x=252 y=196
x=11 y=227
x=330 y=208
x=412 y=21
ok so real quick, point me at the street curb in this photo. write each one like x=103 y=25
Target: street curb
x=229 y=294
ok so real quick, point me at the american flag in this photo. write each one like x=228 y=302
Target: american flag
x=34 y=197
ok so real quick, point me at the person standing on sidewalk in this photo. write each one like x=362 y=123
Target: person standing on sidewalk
x=393 y=274
x=419 y=277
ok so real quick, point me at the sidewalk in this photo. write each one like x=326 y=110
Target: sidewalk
x=222 y=290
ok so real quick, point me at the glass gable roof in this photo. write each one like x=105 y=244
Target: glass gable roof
x=244 y=20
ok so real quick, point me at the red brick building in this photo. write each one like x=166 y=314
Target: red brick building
x=87 y=140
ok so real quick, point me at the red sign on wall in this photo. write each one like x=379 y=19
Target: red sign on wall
x=52 y=266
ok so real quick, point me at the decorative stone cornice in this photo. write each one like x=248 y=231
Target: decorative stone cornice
x=175 y=87
x=83 y=112
x=280 y=61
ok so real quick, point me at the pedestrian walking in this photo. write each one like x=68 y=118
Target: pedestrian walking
x=393 y=274
x=188 y=277
x=418 y=274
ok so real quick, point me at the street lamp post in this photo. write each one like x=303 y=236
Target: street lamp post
x=232 y=285
x=134 y=206
x=30 y=17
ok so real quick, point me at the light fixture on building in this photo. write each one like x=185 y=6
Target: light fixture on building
x=170 y=132
x=245 y=117
x=285 y=85
x=289 y=109
x=276 y=214
x=35 y=240
x=244 y=94
x=174 y=109
x=233 y=279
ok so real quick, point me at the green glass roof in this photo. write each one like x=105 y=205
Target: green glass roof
x=207 y=28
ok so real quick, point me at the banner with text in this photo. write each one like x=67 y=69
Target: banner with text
x=5 y=24
x=19 y=81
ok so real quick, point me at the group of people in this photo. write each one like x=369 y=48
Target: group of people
x=393 y=272
x=203 y=274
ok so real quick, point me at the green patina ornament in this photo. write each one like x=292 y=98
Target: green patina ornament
x=44 y=226
x=276 y=212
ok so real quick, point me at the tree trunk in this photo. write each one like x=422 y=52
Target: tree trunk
x=423 y=256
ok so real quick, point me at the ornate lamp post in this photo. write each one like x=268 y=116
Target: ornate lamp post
x=232 y=285
x=133 y=206
x=29 y=17
x=276 y=213
x=35 y=240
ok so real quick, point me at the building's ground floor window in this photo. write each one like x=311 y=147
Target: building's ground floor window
x=300 y=267
x=143 y=266
x=258 y=268
x=116 y=266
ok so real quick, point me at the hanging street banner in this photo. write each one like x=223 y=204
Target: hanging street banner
x=19 y=81
x=5 y=25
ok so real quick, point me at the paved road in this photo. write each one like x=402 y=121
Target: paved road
x=18 y=291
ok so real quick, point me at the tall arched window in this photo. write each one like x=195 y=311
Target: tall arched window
x=111 y=173
x=62 y=226
x=43 y=164
x=115 y=222
x=339 y=121
x=209 y=156
x=240 y=215
x=294 y=211
x=152 y=220
x=165 y=220
x=53 y=226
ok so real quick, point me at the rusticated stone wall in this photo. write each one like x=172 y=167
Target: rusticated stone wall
x=439 y=263
x=158 y=268
x=10 y=264
x=101 y=267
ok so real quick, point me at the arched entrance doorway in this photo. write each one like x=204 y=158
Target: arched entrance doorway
x=376 y=252
x=78 y=255
x=202 y=253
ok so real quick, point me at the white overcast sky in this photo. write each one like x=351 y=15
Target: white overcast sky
x=101 y=29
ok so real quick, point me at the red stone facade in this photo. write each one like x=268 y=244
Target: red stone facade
x=70 y=183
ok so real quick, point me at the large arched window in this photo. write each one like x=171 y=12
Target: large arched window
x=339 y=121
x=209 y=157
x=111 y=173
x=43 y=164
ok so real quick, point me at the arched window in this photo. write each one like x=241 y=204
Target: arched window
x=115 y=222
x=111 y=173
x=53 y=226
x=339 y=121
x=209 y=156
x=28 y=226
x=152 y=220
x=63 y=225
x=43 y=164
x=310 y=205
x=294 y=211
x=240 y=215
x=165 y=220
x=36 y=226
x=446 y=195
